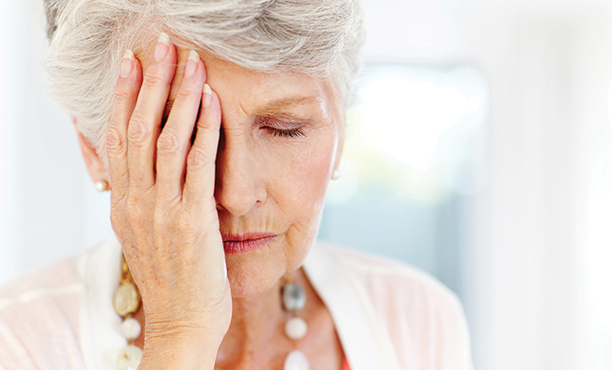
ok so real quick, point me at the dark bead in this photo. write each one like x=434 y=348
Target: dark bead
x=294 y=297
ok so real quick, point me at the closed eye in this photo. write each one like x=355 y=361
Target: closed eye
x=290 y=133
x=283 y=127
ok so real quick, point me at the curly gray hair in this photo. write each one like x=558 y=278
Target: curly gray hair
x=88 y=37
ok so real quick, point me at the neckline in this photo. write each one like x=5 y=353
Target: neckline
x=361 y=335
x=364 y=345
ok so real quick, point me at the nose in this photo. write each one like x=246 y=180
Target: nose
x=239 y=185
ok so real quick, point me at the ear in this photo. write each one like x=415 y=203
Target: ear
x=341 y=137
x=98 y=171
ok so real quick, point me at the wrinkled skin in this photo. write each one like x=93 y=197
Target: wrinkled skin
x=264 y=151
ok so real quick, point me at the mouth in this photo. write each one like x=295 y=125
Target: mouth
x=245 y=243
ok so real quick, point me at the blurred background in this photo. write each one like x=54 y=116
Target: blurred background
x=479 y=150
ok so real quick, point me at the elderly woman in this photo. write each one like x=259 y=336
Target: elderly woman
x=216 y=125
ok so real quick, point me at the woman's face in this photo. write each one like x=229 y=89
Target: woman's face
x=280 y=140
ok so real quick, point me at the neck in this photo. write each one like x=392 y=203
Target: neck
x=257 y=321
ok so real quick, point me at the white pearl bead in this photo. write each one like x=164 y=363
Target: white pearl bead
x=101 y=186
x=130 y=328
x=296 y=360
x=296 y=328
x=129 y=357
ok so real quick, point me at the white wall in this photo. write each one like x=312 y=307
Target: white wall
x=549 y=73
x=48 y=207
x=532 y=237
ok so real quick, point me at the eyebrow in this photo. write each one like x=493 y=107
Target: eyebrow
x=275 y=108
x=283 y=105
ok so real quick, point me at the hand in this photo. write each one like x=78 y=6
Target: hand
x=164 y=211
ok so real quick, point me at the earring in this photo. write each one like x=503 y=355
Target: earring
x=101 y=186
x=335 y=175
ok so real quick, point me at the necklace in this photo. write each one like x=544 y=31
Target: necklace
x=127 y=300
x=294 y=299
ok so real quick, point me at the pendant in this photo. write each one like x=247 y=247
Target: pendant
x=130 y=328
x=296 y=328
x=294 y=298
x=126 y=299
x=296 y=360
x=129 y=358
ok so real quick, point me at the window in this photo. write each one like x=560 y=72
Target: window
x=413 y=150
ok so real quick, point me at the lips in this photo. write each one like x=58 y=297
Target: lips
x=245 y=243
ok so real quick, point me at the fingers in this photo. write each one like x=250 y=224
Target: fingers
x=144 y=157
x=173 y=142
x=200 y=176
x=145 y=123
x=125 y=95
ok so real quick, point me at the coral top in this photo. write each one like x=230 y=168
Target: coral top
x=345 y=365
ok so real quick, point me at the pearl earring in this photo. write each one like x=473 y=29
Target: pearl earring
x=335 y=175
x=101 y=186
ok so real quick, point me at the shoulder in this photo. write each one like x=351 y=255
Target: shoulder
x=40 y=314
x=424 y=319
x=49 y=280
x=389 y=280
x=42 y=292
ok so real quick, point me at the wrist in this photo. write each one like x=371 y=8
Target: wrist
x=179 y=351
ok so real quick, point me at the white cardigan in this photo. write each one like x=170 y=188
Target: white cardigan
x=388 y=316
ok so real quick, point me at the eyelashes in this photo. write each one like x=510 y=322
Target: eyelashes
x=290 y=134
x=293 y=133
x=282 y=127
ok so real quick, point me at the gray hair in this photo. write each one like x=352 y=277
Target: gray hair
x=88 y=38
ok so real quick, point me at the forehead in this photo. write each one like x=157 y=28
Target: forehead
x=256 y=91
x=246 y=92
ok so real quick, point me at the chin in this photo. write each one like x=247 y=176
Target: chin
x=250 y=274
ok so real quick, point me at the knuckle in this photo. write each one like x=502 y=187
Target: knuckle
x=165 y=217
x=198 y=159
x=164 y=222
x=114 y=139
x=160 y=218
x=207 y=125
x=185 y=94
x=168 y=143
x=121 y=96
x=130 y=216
x=154 y=79
x=138 y=132
x=132 y=212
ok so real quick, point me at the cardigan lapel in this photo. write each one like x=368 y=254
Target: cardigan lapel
x=365 y=344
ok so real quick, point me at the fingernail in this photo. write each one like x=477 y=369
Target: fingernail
x=207 y=99
x=163 y=45
x=192 y=63
x=127 y=64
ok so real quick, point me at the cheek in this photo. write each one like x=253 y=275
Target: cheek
x=300 y=182
x=299 y=193
x=311 y=176
x=297 y=177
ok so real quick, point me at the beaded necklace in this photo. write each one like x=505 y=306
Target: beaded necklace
x=294 y=299
x=127 y=300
